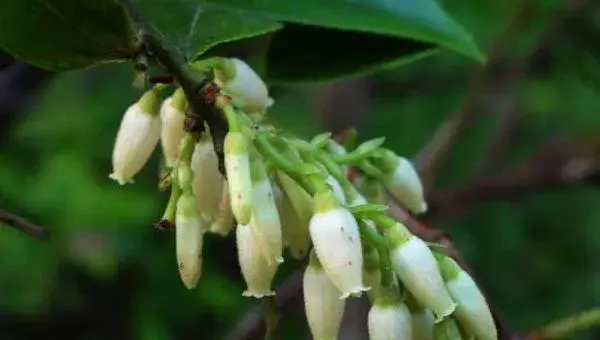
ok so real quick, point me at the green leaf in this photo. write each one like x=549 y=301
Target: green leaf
x=64 y=34
x=195 y=27
x=422 y=20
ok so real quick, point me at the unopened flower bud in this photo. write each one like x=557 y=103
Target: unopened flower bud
x=324 y=309
x=389 y=322
x=336 y=239
x=257 y=273
x=224 y=222
x=403 y=181
x=247 y=89
x=189 y=230
x=172 y=115
x=472 y=310
x=295 y=234
x=137 y=137
x=237 y=166
x=208 y=182
x=423 y=324
x=299 y=198
x=265 y=217
x=447 y=329
x=418 y=270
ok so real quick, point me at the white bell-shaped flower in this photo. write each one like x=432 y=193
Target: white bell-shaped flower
x=402 y=180
x=224 y=222
x=324 y=309
x=247 y=89
x=237 y=167
x=189 y=234
x=208 y=182
x=418 y=270
x=472 y=310
x=257 y=273
x=172 y=115
x=334 y=233
x=389 y=322
x=265 y=217
x=423 y=324
x=137 y=137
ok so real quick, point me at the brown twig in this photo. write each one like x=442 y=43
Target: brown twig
x=23 y=225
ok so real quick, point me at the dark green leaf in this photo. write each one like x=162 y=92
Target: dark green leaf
x=196 y=27
x=421 y=20
x=64 y=34
x=306 y=54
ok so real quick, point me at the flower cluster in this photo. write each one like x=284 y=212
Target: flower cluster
x=282 y=192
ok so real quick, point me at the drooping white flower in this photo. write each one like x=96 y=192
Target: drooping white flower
x=208 y=182
x=265 y=217
x=295 y=211
x=172 y=116
x=402 y=180
x=189 y=231
x=472 y=310
x=137 y=137
x=389 y=322
x=257 y=273
x=336 y=239
x=324 y=309
x=418 y=270
x=423 y=323
x=224 y=222
x=237 y=166
x=247 y=89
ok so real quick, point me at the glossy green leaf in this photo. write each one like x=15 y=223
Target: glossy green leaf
x=422 y=20
x=335 y=54
x=195 y=27
x=64 y=34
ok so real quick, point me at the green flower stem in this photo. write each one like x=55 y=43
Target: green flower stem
x=383 y=221
x=362 y=152
x=266 y=148
x=372 y=236
x=231 y=116
x=170 y=210
x=366 y=210
x=371 y=170
x=570 y=325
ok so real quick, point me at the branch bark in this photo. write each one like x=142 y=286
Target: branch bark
x=23 y=225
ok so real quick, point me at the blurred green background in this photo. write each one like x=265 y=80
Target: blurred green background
x=106 y=273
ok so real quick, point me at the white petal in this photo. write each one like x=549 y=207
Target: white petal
x=171 y=132
x=406 y=186
x=257 y=273
x=472 y=310
x=137 y=137
x=237 y=166
x=189 y=232
x=248 y=87
x=208 y=182
x=337 y=243
x=324 y=309
x=416 y=267
x=389 y=322
x=265 y=222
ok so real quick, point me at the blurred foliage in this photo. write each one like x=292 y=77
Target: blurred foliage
x=107 y=274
